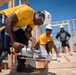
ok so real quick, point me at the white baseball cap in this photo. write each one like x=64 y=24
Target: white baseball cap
x=49 y=26
x=61 y=26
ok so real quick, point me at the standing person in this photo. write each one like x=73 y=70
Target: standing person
x=14 y=19
x=46 y=40
x=63 y=36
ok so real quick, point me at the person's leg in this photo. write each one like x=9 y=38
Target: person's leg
x=4 y=45
x=6 y=42
x=21 y=62
x=4 y=38
x=1 y=41
x=63 y=46
x=68 y=46
x=1 y=37
x=49 y=46
x=20 y=38
x=1 y=48
x=69 y=50
x=21 y=65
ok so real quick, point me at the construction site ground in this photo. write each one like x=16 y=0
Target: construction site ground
x=65 y=65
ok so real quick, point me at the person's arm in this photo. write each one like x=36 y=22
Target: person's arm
x=34 y=42
x=26 y=2
x=57 y=36
x=56 y=51
x=69 y=35
x=9 y=22
x=28 y=32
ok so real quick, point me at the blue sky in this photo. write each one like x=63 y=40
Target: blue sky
x=59 y=9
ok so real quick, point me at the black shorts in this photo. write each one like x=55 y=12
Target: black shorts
x=65 y=43
x=20 y=37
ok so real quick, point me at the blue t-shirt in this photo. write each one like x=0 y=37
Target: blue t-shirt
x=63 y=35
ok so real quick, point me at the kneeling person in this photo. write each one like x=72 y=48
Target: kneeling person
x=47 y=41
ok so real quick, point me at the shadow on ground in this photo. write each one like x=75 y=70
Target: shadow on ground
x=37 y=72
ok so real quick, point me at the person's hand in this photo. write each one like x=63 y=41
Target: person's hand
x=17 y=46
x=68 y=38
x=37 y=46
x=34 y=43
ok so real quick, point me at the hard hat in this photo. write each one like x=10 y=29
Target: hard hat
x=49 y=26
x=61 y=26
x=47 y=19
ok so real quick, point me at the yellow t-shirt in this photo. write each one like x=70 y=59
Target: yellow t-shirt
x=43 y=39
x=24 y=13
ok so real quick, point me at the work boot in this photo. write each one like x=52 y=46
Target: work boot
x=23 y=68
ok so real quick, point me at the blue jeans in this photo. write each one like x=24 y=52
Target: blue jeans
x=4 y=38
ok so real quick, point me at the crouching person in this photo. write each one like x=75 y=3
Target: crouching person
x=46 y=40
x=17 y=17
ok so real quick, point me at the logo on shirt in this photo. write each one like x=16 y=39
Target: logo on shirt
x=62 y=35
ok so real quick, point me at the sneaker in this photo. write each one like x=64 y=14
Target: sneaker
x=23 y=68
